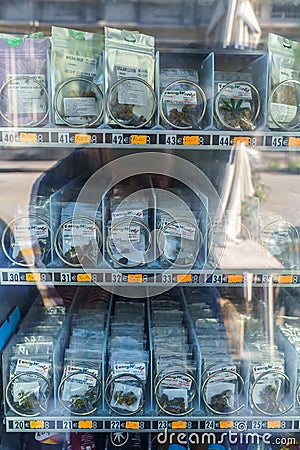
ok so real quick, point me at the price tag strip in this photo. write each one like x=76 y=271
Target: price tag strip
x=73 y=139
x=17 y=277
x=225 y=140
x=131 y=139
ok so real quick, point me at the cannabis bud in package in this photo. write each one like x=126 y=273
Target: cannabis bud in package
x=129 y=78
x=78 y=238
x=182 y=100
x=23 y=81
x=284 y=83
x=76 y=77
x=26 y=239
x=237 y=101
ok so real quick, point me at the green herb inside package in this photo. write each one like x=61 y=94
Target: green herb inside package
x=183 y=102
x=284 y=83
x=76 y=72
x=129 y=78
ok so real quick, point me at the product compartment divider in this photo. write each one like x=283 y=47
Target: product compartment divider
x=262 y=138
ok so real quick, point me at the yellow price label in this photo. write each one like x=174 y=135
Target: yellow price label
x=135 y=278
x=138 y=139
x=84 y=277
x=238 y=140
x=285 y=279
x=132 y=425
x=36 y=424
x=274 y=424
x=238 y=278
x=184 y=278
x=84 y=424
x=294 y=142
x=28 y=137
x=82 y=139
x=180 y=424
x=190 y=140
x=33 y=277
x=226 y=423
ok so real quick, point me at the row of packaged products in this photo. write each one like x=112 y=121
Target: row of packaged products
x=178 y=353
x=81 y=79
x=150 y=228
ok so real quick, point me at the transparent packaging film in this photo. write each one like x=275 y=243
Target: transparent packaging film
x=78 y=238
x=128 y=359
x=23 y=81
x=182 y=100
x=174 y=366
x=80 y=387
x=28 y=361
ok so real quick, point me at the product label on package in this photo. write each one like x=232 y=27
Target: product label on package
x=132 y=92
x=176 y=229
x=185 y=97
x=125 y=233
x=180 y=381
x=288 y=74
x=236 y=91
x=24 y=365
x=81 y=66
x=127 y=213
x=134 y=368
x=80 y=106
x=25 y=96
x=27 y=234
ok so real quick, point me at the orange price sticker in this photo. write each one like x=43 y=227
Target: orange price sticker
x=132 y=425
x=84 y=277
x=184 y=278
x=28 y=137
x=137 y=139
x=294 y=142
x=82 y=139
x=84 y=424
x=274 y=424
x=238 y=278
x=226 y=423
x=135 y=278
x=33 y=277
x=285 y=279
x=190 y=140
x=238 y=140
x=180 y=425
x=37 y=424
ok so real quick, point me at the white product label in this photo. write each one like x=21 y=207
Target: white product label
x=132 y=92
x=181 y=97
x=179 y=230
x=283 y=113
x=125 y=233
x=80 y=106
x=288 y=74
x=27 y=234
x=24 y=365
x=127 y=213
x=258 y=370
x=222 y=374
x=134 y=368
x=236 y=91
x=25 y=96
x=79 y=232
x=177 y=381
x=81 y=66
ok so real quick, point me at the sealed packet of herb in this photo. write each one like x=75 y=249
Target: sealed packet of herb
x=23 y=80
x=129 y=77
x=76 y=77
x=284 y=82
